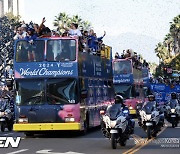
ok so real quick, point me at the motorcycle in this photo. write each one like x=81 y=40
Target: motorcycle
x=151 y=120
x=115 y=126
x=6 y=116
x=172 y=113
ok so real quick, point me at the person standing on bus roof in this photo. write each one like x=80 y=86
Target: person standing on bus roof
x=73 y=30
x=93 y=41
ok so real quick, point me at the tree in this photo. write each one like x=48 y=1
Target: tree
x=63 y=21
x=169 y=49
x=169 y=44
x=175 y=33
x=161 y=51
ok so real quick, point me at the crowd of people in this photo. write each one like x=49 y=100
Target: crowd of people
x=137 y=61
x=88 y=41
x=166 y=81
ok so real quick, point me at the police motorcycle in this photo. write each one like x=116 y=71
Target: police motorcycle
x=151 y=118
x=172 y=110
x=6 y=114
x=115 y=123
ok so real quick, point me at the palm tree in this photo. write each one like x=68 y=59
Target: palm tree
x=175 y=32
x=169 y=44
x=161 y=51
x=63 y=21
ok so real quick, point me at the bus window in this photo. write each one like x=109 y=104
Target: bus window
x=122 y=67
x=29 y=52
x=62 y=91
x=124 y=90
x=30 y=92
x=61 y=50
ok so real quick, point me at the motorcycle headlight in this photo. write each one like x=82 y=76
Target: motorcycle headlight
x=1 y=113
x=148 y=116
x=172 y=110
x=113 y=124
x=5 y=113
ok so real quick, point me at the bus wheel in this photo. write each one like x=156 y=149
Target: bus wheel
x=2 y=127
x=86 y=126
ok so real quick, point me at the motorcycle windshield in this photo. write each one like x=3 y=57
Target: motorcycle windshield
x=114 y=111
x=149 y=107
x=173 y=104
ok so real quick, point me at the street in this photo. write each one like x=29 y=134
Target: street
x=167 y=141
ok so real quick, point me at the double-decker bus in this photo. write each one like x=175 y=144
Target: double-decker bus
x=58 y=87
x=128 y=82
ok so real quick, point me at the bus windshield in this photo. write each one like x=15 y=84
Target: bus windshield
x=61 y=50
x=62 y=91
x=30 y=52
x=29 y=92
x=122 y=67
x=52 y=91
x=125 y=90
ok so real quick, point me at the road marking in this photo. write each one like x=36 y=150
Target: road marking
x=140 y=145
x=19 y=151
x=48 y=151
x=147 y=142
x=135 y=137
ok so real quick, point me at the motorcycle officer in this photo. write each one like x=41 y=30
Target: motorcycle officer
x=151 y=99
x=174 y=97
x=119 y=103
x=152 y=102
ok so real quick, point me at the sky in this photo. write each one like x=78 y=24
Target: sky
x=135 y=24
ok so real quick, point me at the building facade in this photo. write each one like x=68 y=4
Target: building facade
x=7 y=6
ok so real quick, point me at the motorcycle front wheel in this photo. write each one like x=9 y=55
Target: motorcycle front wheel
x=10 y=127
x=173 y=122
x=113 y=141
x=148 y=132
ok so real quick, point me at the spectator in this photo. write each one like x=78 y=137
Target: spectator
x=31 y=48
x=44 y=31
x=74 y=31
x=117 y=55
x=24 y=30
x=19 y=34
x=93 y=41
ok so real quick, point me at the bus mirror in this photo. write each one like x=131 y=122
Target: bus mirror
x=137 y=94
x=83 y=94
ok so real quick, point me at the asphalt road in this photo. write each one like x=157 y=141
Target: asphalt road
x=168 y=141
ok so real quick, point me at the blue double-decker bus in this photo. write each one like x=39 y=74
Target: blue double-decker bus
x=58 y=87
